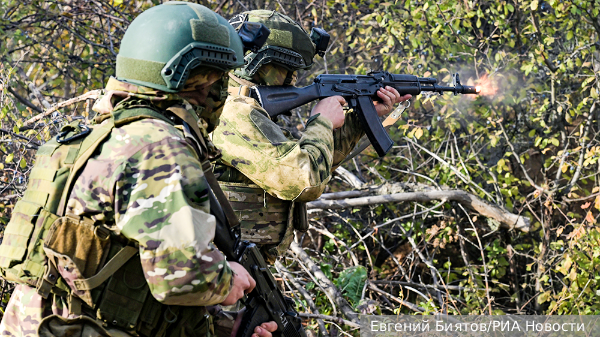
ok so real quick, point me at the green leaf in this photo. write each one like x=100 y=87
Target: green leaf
x=570 y=35
x=9 y=158
x=4 y=112
x=418 y=133
x=534 y=5
x=351 y=282
x=23 y=163
x=326 y=269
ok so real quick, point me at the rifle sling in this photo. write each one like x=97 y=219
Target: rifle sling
x=207 y=167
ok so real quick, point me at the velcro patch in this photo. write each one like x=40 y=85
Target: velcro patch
x=268 y=128
x=281 y=38
x=208 y=29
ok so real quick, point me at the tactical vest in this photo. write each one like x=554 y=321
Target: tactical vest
x=41 y=239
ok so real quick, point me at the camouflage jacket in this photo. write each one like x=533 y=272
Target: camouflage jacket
x=285 y=167
x=146 y=182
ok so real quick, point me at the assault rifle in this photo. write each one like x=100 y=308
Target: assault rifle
x=265 y=302
x=359 y=91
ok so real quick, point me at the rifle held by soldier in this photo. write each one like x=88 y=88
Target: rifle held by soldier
x=265 y=302
x=359 y=91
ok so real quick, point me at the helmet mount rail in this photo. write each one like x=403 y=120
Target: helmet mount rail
x=283 y=56
x=177 y=70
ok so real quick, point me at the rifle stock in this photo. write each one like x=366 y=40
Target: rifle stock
x=279 y=99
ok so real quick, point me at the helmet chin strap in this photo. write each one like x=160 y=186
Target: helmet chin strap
x=289 y=78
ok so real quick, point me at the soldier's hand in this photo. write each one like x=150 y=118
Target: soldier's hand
x=389 y=97
x=243 y=283
x=331 y=108
x=265 y=329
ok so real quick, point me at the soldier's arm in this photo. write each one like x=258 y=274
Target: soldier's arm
x=288 y=169
x=162 y=203
x=346 y=138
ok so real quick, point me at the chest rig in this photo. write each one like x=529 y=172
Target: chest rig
x=97 y=271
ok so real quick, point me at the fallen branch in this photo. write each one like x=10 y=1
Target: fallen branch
x=331 y=318
x=88 y=95
x=349 y=177
x=505 y=218
x=8 y=197
x=409 y=305
x=417 y=285
x=387 y=188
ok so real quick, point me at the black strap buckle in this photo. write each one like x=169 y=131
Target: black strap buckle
x=84 y=130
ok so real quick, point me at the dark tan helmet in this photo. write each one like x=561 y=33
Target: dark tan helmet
x=289 y=45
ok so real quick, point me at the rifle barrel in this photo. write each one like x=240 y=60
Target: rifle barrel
x=459 y=89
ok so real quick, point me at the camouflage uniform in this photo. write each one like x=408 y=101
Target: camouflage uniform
x=265 y=171
x=141 y=191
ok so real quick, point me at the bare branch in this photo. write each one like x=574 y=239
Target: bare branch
x=24 y=100
x=88 y=95
x=505 y=218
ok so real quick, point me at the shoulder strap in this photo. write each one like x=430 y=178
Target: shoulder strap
x=124 y=116
x=207 y=167
x=88 y=146
x=242 y=90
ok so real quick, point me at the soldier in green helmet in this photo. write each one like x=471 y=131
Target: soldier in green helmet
x=114 y=234
x=268 y=174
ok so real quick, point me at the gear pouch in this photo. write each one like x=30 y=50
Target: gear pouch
x=83 y=326
x=300 y=217
x=77 y=248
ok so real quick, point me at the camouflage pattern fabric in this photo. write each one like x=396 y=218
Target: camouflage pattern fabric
x=284 y=167
x=147 y=183
x=272 y=74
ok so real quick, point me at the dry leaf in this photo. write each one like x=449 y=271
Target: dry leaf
x=590 y=218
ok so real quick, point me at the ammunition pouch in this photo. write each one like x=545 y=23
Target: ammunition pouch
x=264 y=219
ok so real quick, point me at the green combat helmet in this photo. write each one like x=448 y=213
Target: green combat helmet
x=289 y=45
x=164 y=43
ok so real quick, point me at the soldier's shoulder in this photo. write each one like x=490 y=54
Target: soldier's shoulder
x=150 y=130
x=128 y=139
x=241 y=105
